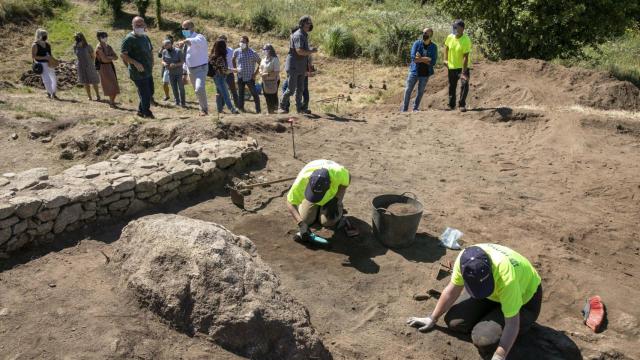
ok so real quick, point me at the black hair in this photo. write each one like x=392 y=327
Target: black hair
x=101 y=34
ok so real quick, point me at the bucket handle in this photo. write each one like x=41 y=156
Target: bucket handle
x=413 y=196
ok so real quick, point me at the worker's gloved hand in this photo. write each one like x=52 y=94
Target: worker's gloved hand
x=303 y=228
x=423 y=324
x=497 y=357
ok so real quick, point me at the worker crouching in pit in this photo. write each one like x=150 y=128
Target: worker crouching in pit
x=315 y=198
x=502 y=298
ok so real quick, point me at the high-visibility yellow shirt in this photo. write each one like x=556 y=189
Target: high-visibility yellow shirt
x=457 y=48
x=515 y=279
x=338 y=174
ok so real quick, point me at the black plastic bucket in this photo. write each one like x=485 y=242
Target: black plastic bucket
x=396 y=230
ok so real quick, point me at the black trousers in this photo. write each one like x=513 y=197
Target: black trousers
x=251 y=84
x=454 y=76
x=483 y=318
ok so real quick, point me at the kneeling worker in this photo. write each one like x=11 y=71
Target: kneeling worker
x=502 y=299
x=316 y=197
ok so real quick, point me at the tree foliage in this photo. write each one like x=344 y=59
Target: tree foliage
x=542 y=29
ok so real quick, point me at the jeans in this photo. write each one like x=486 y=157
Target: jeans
x=295 y=83
x=454 y=75
x=145 y=89
x=231 y=86
x=178 y=88
x=252 y=89
x=412 y=79
x=49 y=78
x=483 y=318
x=198 y=77
x=223 y=92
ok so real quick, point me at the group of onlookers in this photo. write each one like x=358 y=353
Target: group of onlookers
x=233 y=70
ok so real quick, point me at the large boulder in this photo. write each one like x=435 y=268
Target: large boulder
x=202 y=278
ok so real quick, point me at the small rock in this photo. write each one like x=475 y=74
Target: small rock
x=4 y=312
x=9 y=175
x=14 y=136
x=146 y=142
x=46 y=140
x=66 y=154
x=3 y=181
x=52 y=285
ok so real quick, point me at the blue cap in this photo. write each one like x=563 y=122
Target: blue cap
x=319 y=183
x=476 y=272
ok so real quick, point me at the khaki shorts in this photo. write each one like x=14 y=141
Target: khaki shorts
x=328 y=215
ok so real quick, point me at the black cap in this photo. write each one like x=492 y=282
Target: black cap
x=476 y=272
x=319 y=183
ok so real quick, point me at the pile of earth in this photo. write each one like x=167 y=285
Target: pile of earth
x=534 y=83
x=66 y=74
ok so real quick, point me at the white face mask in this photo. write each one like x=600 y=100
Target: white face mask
x=243 y=45
x=104 y=39
x=138 y=30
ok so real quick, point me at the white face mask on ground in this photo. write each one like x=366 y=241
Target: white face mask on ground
x=138 y=30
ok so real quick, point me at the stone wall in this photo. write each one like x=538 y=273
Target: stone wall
x=35 y=206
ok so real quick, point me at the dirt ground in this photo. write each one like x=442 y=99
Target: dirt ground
x=533 y=168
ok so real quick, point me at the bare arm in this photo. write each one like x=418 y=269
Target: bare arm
x=293 y=210
x=449 y=296
x=303 y=52
x=465 y=62
x=509 y=335
x=129 y=60
x=446 y=55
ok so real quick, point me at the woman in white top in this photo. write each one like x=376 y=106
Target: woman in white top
x=270 y=72
x=41 y=53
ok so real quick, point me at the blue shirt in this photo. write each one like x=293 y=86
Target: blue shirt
x=430 y=51
x=246 y=62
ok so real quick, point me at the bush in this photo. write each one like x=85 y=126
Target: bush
x=339 y=41
x=392 y=44
x=112 y=6
x=542 y=29
x=141 y=6
x=262 y=20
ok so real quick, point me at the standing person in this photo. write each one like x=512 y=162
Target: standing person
x=105 y=57
x=41 y=53
x=245 y=61
x=166 y=45
x=218 y=61
x=502 y=299
x=137 y=52
x=86 y=66
x=316 y=197
x=457 y=54
x=231 y=79
x=270 y=73
x=297 y=64
x=424 y=54
x=172 y=60
x=197 y=61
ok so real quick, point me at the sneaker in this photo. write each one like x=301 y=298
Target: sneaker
x=283 y=111
x=235 y=111
x=306 y=111
x=463 y=109
x=416 y=110
x=139 y=114
x=203 y=113
x=166 y=98
x=49 y=95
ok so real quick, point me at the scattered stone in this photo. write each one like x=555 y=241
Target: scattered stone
x=146 y=142
x=4 y=312
x=14 y=136
x=46 y=140
x=66 y=154
x=176 y=141
x=29 y=178
x=9 y=175
x=52 y=285
x=204 y=279
x=190 y=153
x=3 y=181
x=53 y=198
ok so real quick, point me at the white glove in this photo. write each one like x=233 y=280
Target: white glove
x=497 y=357
x=423 y=324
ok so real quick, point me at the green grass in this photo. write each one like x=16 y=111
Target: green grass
x=19 y=11
x=620 y=56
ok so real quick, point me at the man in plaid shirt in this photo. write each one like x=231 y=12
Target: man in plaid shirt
x=245 y=60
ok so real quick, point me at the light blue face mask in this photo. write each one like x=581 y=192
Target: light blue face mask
x=186 y=33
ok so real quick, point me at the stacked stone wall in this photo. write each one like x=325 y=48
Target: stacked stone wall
x=35 y=206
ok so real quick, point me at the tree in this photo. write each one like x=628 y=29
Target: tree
x=113 y=6
x=159 y=13
x=542 y=29
x=141 y=6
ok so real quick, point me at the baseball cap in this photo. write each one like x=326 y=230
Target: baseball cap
x=476 y=272
x=458 y=23
x=319 y=183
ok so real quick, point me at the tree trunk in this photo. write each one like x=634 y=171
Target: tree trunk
x=159 y=13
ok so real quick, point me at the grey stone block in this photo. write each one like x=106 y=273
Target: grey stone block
x=145 y=195
x=161 y=177
x=6 y=210
x=17 y=242
x=191 y=179
x=127 y=194
x=9 y=222
x=53 y=198
x=119 y=205
x=26 y=206
x=20 y=227
x=5 y=235
x=168 y=187
x=69 y=215
x=146 y=185
x=124 y=184
x=91 y=205
x=109 y=200
x=48 y=214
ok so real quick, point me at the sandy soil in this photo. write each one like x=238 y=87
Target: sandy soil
x=529 y=167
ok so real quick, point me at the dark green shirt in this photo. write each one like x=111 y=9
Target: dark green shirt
x=138 y=48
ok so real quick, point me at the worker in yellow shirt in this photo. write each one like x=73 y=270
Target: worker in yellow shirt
x=502 y=298
x=457 y=58
x=316 y=197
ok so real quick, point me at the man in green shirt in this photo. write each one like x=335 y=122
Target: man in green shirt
x=503 y=298
x=137 y=52
x=457 y=58
x=316 y=197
